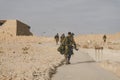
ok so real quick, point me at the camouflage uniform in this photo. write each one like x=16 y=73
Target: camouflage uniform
x=57 y=38
x=62 y=38
x=69 y=44
x=104 y=38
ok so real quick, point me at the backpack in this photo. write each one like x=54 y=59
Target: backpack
x=61 y=49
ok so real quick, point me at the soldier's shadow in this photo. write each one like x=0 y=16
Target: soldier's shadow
x=92 y=61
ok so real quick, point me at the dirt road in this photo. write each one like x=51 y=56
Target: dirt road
x=83 y=67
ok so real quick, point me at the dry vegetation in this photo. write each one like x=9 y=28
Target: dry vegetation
x=28 y=58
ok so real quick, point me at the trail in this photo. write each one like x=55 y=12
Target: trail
x=83 y=67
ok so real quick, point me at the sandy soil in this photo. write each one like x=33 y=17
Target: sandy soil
x=111 y=53
x=110 y=59
x=36 y=58
x=28 y=58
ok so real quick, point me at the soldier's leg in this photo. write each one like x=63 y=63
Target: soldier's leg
x=69 y=54
x=56 y=42
x=69 y=57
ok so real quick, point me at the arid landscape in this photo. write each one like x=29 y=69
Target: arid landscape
x=28 y=58
x=110 y=56
x=59 y=39
x=36 y=58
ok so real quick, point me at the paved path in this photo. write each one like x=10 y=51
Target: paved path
x=82 y=67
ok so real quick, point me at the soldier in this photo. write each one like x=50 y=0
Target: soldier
x=57 y=38
x=62 y=38
x=69 y=44
x=104 y=38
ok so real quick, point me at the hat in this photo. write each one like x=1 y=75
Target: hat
x=73 y=34
x=69 y=33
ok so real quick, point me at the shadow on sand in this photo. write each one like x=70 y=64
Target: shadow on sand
x=92 y=61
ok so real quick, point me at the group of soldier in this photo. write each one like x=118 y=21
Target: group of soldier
x=62 y=37
x=67 y=44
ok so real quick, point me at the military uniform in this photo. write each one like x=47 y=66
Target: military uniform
x=57 y=38
x=104 y=38
x=62 y=38
x=69 y=44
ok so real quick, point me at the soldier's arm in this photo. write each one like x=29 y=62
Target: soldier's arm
x=74 y=43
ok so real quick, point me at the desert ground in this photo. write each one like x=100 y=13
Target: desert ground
x=37 y=58
x=110 y=56
x=28 y=58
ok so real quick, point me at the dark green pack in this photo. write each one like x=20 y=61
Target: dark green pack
x=61 y=49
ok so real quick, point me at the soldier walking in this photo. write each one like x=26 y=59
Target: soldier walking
x=69 y=45
x=104 y=38
x=57 y=38
x=62 y=38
